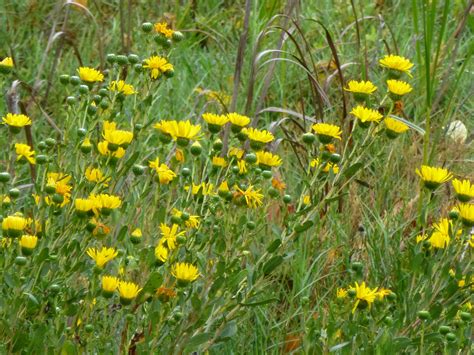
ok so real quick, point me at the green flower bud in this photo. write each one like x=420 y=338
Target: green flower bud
x=147 y=27
x=111 y=58
x=424 y=315
x=121 y=59
x=64 y=79
x=75 y=80
x=309 y=138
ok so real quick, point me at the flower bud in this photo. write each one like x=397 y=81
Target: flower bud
x=64 y=79
x=121 y=59
x=309 y=138
x=111 y=58
x=5 y=177
x=147 y=27
x=75 y=80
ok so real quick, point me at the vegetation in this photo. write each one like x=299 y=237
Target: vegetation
x=236 y=176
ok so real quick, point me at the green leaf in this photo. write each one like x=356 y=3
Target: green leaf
x=197 y=340
x=300 y=228
x=352 y=170
x=272 y=264
x=274 y=245
x=122 y=233
x=43 y=255
x=229 y=331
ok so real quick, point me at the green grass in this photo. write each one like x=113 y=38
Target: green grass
x=254 y=295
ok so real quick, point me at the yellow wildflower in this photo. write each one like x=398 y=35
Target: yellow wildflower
x=184 y=273
x=23 y=151
x=366 y=115
x=326 y=132
x=433 y=177
x=396 y=63
x=162 y=28
x=165 y=174
x=103 y=256
x=122 y=87
x=16 y=120
x=157 y=66
x=361 y=87
x=398 y=88
x=464 y=190
x=267 y=159
x=90 y=75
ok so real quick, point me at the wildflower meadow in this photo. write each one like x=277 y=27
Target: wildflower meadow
x=236 y=177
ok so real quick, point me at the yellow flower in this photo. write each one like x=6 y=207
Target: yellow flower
x=169 y=235
x=158 y=66
x=128 y=291
x=161 y=253
x=224 y=187
x=203 y=188
x=394 y=127
x=396 y=63
x=109 y=284
x=103 y=256
x=256 y=135
x=90 y=75
x=103 y=148
x=464 y=190
x=253 y=198
x=433 y=177
x=236 y=152
x=165 y=174
x=219 y=161
x=444 y=226
x=341 y=293
x=117 y=138
x=183 y=130
x=109 y=202
x=242 y=165
x=14 y=225
x=238 y=120
x=83 y=205
x=16 y=120
x=361 y=87
x=398 y=88
x=122 y=87
x=306 y=199
x=326 y=132
x=327 y=166
x=213 y=119
x=267 y=159
x=382 y=293
x=420 y=238
x=24 y=151
x=364 y=296
x=466 y=212
x=28 y=241
x=164 y=126
x=184 y=273
x=439 y=240
x=95 y=175
x=366 y=115
x=6 y=62
x=162 y=28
